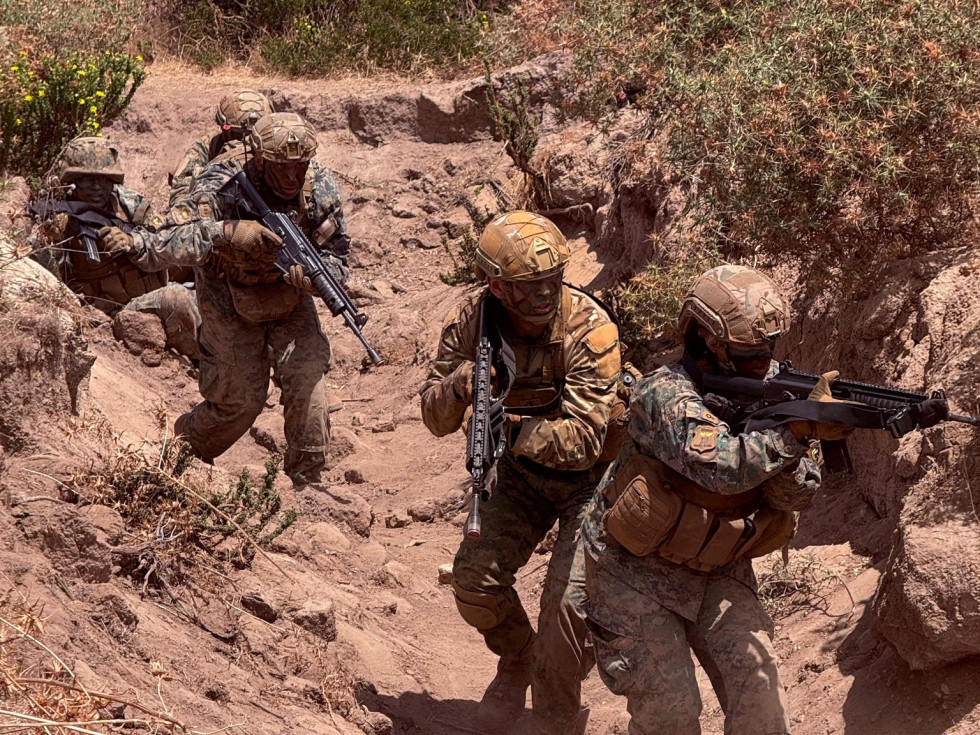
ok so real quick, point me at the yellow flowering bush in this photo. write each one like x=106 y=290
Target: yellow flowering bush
x=46 y=101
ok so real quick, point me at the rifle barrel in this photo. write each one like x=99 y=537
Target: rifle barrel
x=972 y=420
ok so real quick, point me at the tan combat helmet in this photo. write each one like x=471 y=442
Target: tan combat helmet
x=239 y=111
x=737 y=305
x=521 y=246
x=90 y=156
x=282 y=137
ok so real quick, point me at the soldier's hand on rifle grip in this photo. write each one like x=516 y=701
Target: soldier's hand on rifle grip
x=115 y=241
x=251 y=238
x=806 y=430
x=297 y=278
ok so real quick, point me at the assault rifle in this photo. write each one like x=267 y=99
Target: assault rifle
x=485 y=442
x=298 y=250
x=782 y=399
x=89 y=220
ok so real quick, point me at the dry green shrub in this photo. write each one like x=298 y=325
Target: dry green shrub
x=316 y=37
x=648 y=304
x=175 y=518
x=831 y=132
x=802 y=585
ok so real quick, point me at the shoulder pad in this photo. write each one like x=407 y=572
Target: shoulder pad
x=602 y=338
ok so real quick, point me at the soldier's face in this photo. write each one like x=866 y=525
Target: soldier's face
x=285 y=178
x=534 y=302
x=753 y=362
x=93 y=190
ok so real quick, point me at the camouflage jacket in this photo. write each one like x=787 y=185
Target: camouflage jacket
x=194 y=224
x=196 y=158
x=670 y=422
x=56 y=245
x=588 y=343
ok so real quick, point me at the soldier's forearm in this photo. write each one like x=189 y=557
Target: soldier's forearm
x=187 y=245
x=442 y=412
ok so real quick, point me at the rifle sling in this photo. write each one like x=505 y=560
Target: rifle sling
x=856 y=416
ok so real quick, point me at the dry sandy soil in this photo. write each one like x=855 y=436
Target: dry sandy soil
x=396 y=642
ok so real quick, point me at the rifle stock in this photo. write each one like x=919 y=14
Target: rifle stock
x=298 y=250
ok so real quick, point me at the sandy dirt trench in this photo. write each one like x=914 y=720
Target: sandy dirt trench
x=394 y=618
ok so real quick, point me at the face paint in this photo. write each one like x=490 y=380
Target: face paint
x=535 y=302
x=94 y=190
x=285 y=178
x=753 y=362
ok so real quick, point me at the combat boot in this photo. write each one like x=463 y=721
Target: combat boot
x=503 y=701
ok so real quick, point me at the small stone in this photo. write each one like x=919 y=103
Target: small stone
x=412 y=242
x=383 y=427
x=217 y=692
x=446 y=574
x=254 y=603
x=397 y=520
x=424 y=512
x=357 y=419
x=318 y=618
x=354 y=476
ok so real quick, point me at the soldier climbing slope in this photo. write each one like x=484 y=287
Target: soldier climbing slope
x=68 y=242
x=564 y=392
x=247 y=305
x=236 y=114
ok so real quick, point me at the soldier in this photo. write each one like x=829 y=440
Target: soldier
x=567 y=368
x=249 y=310
x=90 y=168
x=236 y=114
x=670 y=532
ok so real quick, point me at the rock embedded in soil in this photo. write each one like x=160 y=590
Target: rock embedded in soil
x=446 y=574
x=254 y=603
x=397 y=520
x=318 y=618
x=140 y=332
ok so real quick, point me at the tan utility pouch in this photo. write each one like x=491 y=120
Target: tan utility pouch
x=263 y=302
x=651 y=513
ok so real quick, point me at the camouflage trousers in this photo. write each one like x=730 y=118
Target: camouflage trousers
x=236 y=357
x=176 y=305
x=644 y=652
x=527 y=501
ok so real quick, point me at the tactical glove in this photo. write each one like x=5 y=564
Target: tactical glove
x=249 y=238
x=805 y=430
x=298 y=279
x=461 y=382
x=115 y=241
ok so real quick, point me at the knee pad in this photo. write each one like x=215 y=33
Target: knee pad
x=484 y=610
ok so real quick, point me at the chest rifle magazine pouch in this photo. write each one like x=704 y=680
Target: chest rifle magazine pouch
x=642 y=512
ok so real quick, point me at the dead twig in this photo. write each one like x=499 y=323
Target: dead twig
x=54 y=655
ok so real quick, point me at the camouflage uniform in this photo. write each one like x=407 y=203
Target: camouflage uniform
x=196 y=158
x=236 y=114
x=547 y=473
x=647 y=613
x=116 y=282
x=241 y=322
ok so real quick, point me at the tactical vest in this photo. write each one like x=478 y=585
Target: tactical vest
x=654 y=508
x=257 y=289
x=112 y=282
x=541 y=395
